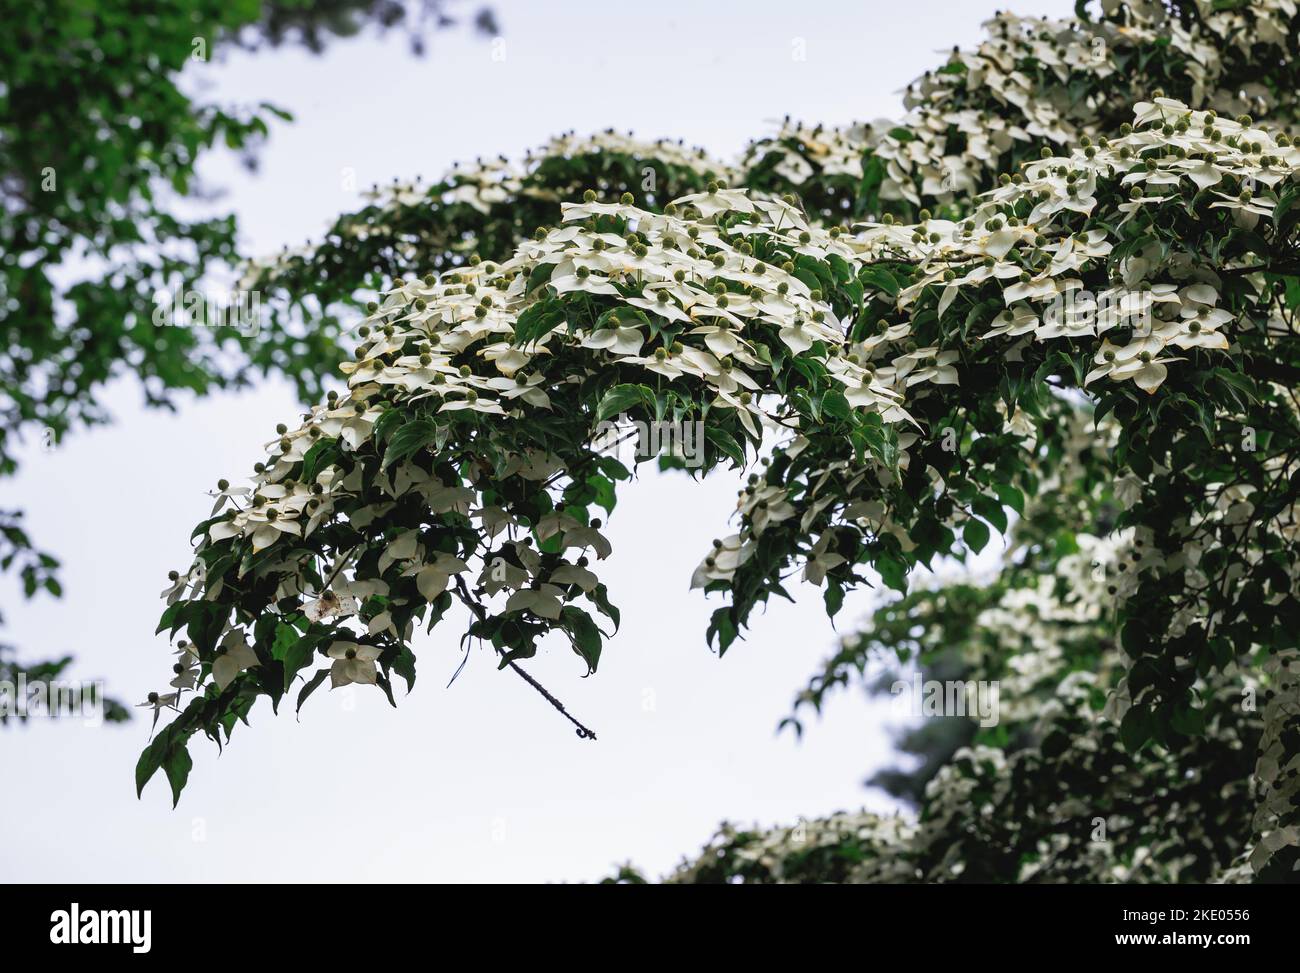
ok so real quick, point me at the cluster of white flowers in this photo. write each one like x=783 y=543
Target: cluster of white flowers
x=693 y=266
x=799 y=152
x=968 y=115
x=1172 y=152
x=1163 y=306
x=487 y=183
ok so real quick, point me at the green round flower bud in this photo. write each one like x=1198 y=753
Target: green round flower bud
x=627 y=199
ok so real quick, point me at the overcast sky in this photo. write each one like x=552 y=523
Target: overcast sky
x=481 y=781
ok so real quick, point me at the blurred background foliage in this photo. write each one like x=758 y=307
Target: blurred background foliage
x=100 y=141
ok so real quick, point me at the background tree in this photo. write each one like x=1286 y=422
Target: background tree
x=99 y=145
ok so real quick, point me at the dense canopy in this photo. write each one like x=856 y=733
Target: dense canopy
x=1054 y=302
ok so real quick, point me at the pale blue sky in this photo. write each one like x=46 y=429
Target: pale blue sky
x=482 y=781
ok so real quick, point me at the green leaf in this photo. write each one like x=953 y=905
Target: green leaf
x=177 y=765
x=833 y=596
x=621 y=398
x=583 y=633
x=992 y=511
x=404 y=665
x=293 y=650
x=317 y=458
x=892 y=571
x=605 y=496
x=149 y=762
x=834 y=403
x=975 y=534
x=312 y=685
x=881 y=279
x=1011 y=497
x=723 y=628
x=726 y=444
x=206 y=620
x=408 y=440
x=1135 y=728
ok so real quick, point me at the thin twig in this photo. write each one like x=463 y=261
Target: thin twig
x=584 y=733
